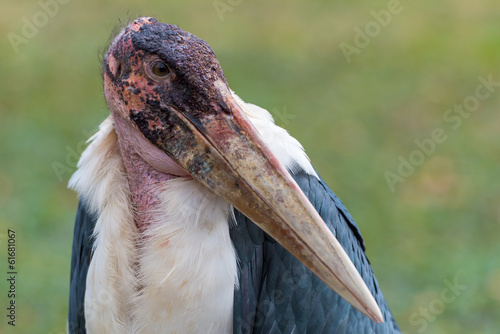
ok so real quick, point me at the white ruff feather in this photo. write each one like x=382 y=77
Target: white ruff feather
x=179 y=275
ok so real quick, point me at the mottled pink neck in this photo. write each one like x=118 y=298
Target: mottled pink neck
x=147 y=166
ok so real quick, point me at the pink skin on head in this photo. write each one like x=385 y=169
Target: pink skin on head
x=120 y=110
x=147 y=166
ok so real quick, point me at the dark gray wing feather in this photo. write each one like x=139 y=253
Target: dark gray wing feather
x=80 y=260
x=277 y=294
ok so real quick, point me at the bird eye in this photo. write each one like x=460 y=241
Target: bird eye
x=158 y=70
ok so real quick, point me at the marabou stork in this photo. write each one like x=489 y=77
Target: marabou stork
x=199 y=215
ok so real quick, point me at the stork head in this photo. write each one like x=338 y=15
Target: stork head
x=169 y=87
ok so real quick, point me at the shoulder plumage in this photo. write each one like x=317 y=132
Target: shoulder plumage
x=286 y=148
x=100 y=169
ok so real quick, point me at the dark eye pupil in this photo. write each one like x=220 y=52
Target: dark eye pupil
x=160 y=69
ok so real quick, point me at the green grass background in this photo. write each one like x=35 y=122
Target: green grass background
x=354 y=119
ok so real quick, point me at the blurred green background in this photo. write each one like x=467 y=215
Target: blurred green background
x=355 y=119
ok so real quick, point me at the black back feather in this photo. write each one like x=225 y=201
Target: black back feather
x=278 y=294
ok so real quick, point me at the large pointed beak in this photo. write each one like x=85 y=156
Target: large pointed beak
x=223 y=150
